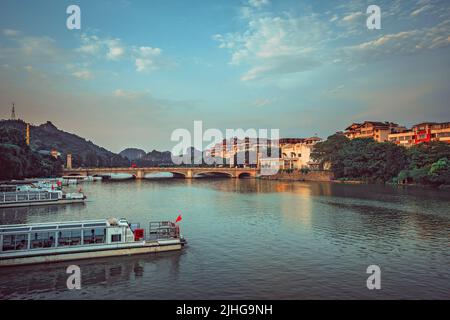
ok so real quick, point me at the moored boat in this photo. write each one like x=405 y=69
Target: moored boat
x=28 y=195
x=75 y=240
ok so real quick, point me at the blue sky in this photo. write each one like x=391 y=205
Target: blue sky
x=137 y=70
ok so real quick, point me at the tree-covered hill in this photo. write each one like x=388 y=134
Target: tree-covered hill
x=368 y=160
x=47 y=136
x=18 y=161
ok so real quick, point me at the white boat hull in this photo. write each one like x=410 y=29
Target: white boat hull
x=41 y=203
x=102 y=251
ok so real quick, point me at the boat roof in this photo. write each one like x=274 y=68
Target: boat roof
x=53 y=225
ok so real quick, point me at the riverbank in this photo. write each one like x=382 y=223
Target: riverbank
x=328 y=176
x=321 y=176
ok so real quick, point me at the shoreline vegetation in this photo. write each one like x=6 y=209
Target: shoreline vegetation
x=368 y=161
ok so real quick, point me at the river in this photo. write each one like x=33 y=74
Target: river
x=255 y=239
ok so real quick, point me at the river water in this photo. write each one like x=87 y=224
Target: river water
x=255 y=239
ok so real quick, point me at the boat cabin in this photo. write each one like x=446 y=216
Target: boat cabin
x=82 y=233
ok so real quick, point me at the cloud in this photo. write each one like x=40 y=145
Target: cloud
x=259 y=103
x=352 y=16
x=147 y=59
x=115 y=49
x=120 y=93
x=420 y=10
x=83 y=74
x=10 y=32
x=281 y=66
x=336 y=89
x=31 y=50
x=275 y=45
x=403 y=42
x=90 y=44
x=334 y=18
x=258 y=3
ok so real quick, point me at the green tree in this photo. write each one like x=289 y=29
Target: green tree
x=327 y=152
x=439 y=172
x=361 y=159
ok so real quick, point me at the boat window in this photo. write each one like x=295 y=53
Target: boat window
x=44 y=228
x=33 y=196
x=44 y=195
x=116 y=238
x=15 y=229
x=42 y=240
x=7 y=188
x=70 y=226
x=96 y=235
x=15 y=242
x=10 y=197
x=22 y=197
x=69 y=238
x=103 y=224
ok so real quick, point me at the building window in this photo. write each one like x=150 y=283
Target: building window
x=15 y=242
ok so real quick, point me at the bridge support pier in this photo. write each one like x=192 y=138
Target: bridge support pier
x=140 y=174
x=189 y=174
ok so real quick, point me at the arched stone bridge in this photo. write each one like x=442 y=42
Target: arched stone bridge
x=187 y=173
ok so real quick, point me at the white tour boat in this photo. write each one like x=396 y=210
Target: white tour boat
x=75 y=240
x=29 y=195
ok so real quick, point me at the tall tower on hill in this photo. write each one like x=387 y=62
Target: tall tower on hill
x=28 y=134
x=13 y=112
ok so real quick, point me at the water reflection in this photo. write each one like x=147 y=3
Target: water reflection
x=95 y=274
x=20 y=215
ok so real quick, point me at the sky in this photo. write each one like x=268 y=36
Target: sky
x=138 y=70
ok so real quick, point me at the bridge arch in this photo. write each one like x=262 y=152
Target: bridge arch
x=213 y=173
x=245 y=175
x=175 y=174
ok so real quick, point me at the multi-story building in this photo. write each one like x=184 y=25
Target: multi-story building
x=405 y=138
x=238 y=152
x=294 y=153
x=291 y=153
x=378 y=131
x=422 y=132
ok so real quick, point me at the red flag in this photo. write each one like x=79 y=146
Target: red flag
x=178 y=218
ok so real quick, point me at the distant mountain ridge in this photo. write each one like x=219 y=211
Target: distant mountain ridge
x=153 y=158
x=45 y=137
x=84 y=152
x=132 y=153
